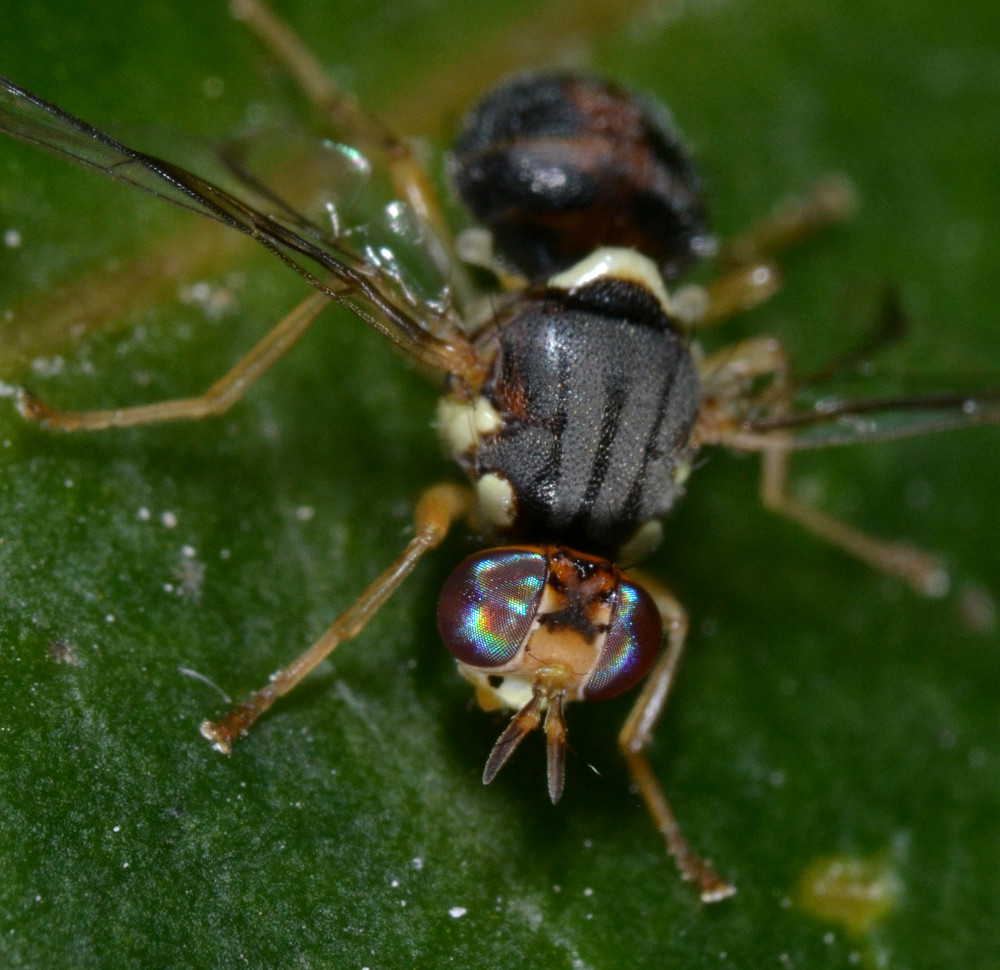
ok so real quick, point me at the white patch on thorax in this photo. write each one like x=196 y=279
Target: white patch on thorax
x=497 y=500
x=463 y=423
x=615 y=262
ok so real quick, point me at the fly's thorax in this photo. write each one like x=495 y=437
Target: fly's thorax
x=581 y=434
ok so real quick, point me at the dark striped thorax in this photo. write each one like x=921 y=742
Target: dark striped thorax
x=581 y=434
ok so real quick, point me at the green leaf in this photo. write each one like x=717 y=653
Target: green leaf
x=824 y=712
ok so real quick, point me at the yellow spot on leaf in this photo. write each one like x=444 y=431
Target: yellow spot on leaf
x=855 y=893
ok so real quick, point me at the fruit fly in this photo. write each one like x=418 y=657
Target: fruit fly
x=575 y=397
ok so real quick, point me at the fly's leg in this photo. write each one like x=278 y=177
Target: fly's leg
x=727 y=376
x=736 y=291
x=636 y=734
x=749 y=275
x=828 y=201
x=436 y=510
x=408 y=177
x=221 y=396
x=918 y=568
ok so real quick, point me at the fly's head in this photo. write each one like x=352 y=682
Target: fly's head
x=534 y=627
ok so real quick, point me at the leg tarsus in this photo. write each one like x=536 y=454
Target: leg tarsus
x=919 y=569
x=436 y=510
x=726 y=378
x=221 y=396
x=828 y=201
x=735 y=291
x=712 y=888
x=747 y=273
x=636 y=734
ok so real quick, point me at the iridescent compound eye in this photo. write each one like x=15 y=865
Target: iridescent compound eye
x=631 y=646
x=488 y=605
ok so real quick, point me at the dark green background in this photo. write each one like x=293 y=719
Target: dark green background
x=824 y=710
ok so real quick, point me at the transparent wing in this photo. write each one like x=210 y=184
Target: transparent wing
x=331 y=192
x=834 y=421
x=322 y=182
x=375 y=292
